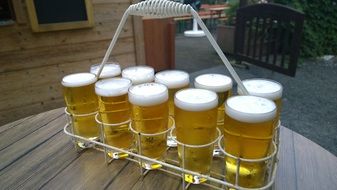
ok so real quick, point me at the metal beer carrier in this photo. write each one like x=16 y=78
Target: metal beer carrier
x=216 y=180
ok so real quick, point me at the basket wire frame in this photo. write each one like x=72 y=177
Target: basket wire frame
x=171 y=138
x=139 y=136
x=171 y=166
x=164 y=9
x=102 y=136
x=196 y=179
x=160 y=9
x=71 y=120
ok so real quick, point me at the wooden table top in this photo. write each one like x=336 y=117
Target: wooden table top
x=36 y=154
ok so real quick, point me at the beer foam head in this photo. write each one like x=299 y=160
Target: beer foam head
x=250 y=109
x=196 y=99
x=263 y=88
x=78 y=79
x=173 y=78
x=109 y=70
x=148 y=94
x=139 y=74
x=112 y=87
x=213 y=82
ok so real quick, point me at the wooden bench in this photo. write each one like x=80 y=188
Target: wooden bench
x=209 y=13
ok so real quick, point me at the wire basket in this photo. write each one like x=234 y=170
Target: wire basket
x=217 y=178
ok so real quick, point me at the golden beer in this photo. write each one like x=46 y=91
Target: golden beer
x=149 y=113
x=174 y=80
x=220 y=84
x=269 y=89
x=80 y=98
x=114 y=109
x=248 y=134
x=139 y=74
x=110 y=70
x=196 y=118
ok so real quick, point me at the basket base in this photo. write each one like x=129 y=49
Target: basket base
x=194 y=179
x=117 y=155
x=171 y=142
x=80 y=145
x=150 y=165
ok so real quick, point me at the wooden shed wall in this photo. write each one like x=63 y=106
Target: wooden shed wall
x=33 y=64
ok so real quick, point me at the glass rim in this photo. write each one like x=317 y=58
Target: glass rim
x=117 y=91
x=150 y=100
x=196 y=107
x=225 y=87
x=272 y=95
x=172 y=84
x=81 y=83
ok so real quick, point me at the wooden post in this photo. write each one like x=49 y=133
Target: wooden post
x=159 y=40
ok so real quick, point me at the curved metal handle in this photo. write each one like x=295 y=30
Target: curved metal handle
x=166 y=8
x=159 y=9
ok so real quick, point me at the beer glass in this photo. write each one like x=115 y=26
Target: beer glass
x=149 y=113
x=248 y=133
x=114 y=112
x=196 y=118
x=110 y=70
x=139 y=74
x=81 y=102
x=269 y=89
x=174 y=80
x=220 y=84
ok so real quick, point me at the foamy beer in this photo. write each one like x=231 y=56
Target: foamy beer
x=110 y=70
x=196 y=118
x=139 y=74
x=81 y=101
x=265 y=88
x=149 y=113
x=114 y=109
x=220 y=84
x=174 y=80
x=248 y=134
x=269 y=89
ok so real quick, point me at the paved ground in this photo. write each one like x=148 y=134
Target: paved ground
x=309 y=100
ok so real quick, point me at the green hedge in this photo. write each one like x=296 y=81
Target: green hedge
x=320 y=27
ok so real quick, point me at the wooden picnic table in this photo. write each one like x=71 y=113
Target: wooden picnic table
x=36 y=154
x=216 y=12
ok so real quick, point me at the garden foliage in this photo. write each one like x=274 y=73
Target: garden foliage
x=320 y=26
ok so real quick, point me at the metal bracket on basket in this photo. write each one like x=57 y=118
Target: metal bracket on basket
x=164 y=9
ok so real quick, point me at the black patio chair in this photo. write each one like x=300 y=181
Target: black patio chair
x=269 y=35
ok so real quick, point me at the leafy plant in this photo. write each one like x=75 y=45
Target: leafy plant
x=231 y=11
x=320 y=26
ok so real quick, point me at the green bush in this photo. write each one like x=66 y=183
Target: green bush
x=320 y=26
x=231 y=11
